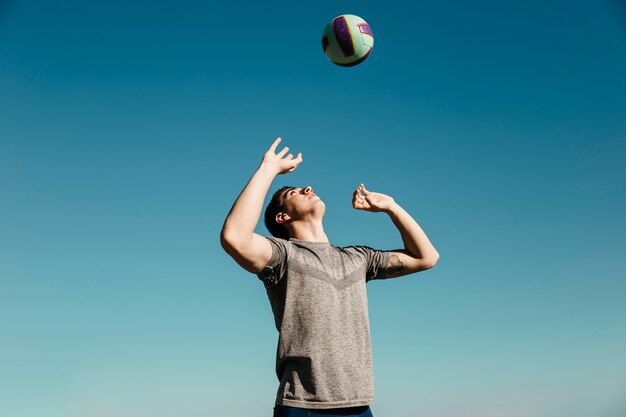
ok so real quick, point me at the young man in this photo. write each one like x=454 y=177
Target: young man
x=317 y=290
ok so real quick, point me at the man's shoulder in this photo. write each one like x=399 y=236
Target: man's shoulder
x=281 y=248
x=356 y=248
x=277 y=239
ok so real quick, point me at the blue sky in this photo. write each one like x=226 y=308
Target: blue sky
x=128 y=130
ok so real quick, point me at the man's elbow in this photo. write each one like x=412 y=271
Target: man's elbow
x=228 y=241
x=233 y=241
x=431 y=261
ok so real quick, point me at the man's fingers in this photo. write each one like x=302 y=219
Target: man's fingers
x=358 y=202
x=288 y=163
x=363 y=189
x=357 y=194
x=283 y=152
x=291 y=163
x=275 y=144
x=295 y=162
x=355 y=199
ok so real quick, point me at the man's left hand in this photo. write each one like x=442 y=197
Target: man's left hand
x=371 y=201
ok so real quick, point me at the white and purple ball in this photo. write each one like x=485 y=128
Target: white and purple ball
x=347 y=40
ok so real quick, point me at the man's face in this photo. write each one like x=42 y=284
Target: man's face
x=299 y=202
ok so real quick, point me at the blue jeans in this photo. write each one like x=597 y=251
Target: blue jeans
x=285 y=411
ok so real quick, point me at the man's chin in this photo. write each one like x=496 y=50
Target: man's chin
x=320 y=207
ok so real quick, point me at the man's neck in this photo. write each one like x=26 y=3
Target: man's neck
x=309 y=231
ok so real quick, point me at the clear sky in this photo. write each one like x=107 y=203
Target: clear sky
x=128 y=128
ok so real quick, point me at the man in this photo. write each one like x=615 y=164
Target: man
x=317 y=290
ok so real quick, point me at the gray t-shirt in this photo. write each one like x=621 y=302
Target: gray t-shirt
x=317 y=292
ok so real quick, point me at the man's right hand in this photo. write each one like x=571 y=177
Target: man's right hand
x=277 y=162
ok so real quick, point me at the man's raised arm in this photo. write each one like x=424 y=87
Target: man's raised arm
x=418 y=253
x=249 y=250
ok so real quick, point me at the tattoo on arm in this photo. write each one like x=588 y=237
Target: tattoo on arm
x=394 y=266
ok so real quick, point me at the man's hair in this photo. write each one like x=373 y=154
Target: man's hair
x=274 y=207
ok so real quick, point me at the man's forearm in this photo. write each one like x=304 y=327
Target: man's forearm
x=414 y=238
x=245 y=213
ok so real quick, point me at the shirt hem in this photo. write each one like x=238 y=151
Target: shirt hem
x=324 y=405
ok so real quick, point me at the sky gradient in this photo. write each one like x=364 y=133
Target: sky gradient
x=128 y=130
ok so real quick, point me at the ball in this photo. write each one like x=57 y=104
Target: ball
x=347 y=40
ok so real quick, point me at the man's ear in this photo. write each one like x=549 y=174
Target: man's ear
x=282 y=218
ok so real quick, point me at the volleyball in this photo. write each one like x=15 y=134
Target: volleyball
x=347 y=40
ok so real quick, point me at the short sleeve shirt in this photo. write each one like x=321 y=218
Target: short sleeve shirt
x=318 y=297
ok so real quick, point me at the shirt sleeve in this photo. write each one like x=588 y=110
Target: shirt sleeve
x=376 y=262
x=276 y=267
